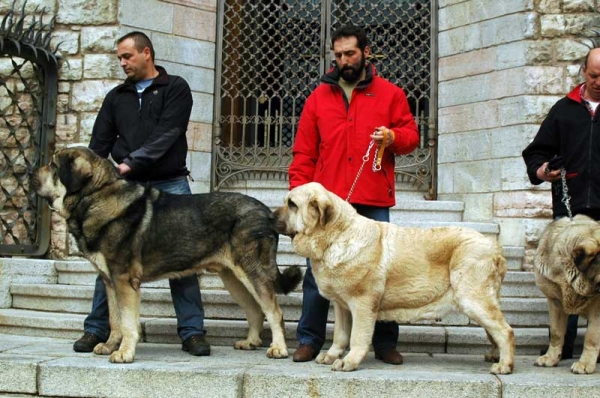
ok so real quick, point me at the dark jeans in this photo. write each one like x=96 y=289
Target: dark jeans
x=312 y=324
x=571 y=333
x=185 y=292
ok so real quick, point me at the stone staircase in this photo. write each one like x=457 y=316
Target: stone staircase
x=53 y=300
x=57 y=310
x=43 y=304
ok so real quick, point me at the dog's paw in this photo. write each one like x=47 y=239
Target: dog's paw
x=247 y=344
x=344 y=365
x=547 y=361
x=121 y=356
x=277 y=352
x=501 y=369
x=104 y=349
x=582 y=368
x=325 y=359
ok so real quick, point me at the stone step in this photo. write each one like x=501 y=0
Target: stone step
x=409 y=205
x=81 y=272
x=520 y=284
x=35 y=366
x=514 y=257
x=272 y=193
x=410 y=210
x=515 y=284
x=222 y=332
x=218 y=304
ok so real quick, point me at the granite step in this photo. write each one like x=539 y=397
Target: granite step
x=44 y=367
x=224 y=332
x=218 y=304
x=81 y=272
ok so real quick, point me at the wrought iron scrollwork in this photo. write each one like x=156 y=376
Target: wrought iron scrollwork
x=28 y=91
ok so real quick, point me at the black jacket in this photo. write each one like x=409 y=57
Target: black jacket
x=570 y=131
x=149 y=138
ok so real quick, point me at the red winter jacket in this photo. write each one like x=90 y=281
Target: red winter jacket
x=333 y=137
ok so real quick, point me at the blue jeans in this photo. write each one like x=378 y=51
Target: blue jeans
x=185 y=292
x=312 y=324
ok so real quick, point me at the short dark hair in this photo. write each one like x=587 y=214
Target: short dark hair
x=351 y=31
x=141 y=41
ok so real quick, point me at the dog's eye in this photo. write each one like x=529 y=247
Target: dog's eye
x=291 y=204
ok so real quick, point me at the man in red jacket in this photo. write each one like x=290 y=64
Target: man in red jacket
x=350 y=108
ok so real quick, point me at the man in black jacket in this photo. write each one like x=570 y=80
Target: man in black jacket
x=142 y=125
x=571 y=132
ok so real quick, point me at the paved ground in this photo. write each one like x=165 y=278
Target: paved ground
x=48 y=367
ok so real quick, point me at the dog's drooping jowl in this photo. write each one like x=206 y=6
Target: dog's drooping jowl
x=374 y=270
x=567 y=271
x=133 y=233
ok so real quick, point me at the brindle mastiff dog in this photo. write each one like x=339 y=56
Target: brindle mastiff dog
x=379 y=271
x=134 y=233
x=567 y=271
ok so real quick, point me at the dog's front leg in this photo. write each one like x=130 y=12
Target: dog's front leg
x=591 y=346
x=128 y=301
x=114 y=317
x=363 y=325
x=558 y=327
x=341 y=335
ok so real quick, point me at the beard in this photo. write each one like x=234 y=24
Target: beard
x=351 y=73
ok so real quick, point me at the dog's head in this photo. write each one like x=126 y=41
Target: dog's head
x=586 y=257
x=71 y=172
x=306 y=209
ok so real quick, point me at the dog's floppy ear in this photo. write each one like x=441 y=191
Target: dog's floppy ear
x=584 y=253
x=323 y=208
x=73 y=171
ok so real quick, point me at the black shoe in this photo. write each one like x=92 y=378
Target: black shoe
x=87 y=342
x=196 y=345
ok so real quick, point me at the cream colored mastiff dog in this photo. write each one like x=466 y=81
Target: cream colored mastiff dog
x=567 y=271
x=379 y=271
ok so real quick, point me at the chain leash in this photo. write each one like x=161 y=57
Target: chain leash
x=365 y=159
x=566 y=199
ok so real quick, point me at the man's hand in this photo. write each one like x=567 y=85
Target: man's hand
x=544 y=174
x=123 y=169
x=383 y=135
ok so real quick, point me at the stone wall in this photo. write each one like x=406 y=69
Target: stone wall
x=183 y=33
x=502 y=65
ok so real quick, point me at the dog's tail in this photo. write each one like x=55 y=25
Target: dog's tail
x=288 y=280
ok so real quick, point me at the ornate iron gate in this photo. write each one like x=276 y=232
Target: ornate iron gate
x=271 y=55
x=28 y=91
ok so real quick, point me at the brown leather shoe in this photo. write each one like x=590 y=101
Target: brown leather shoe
x=389 y=355
x=196 y=345
x=305 y=353
x=87 y=342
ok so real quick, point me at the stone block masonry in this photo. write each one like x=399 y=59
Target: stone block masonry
x=502 y=65
x=183 y=33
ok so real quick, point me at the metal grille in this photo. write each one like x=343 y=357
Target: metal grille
x=272 y=56
x=27 y=111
